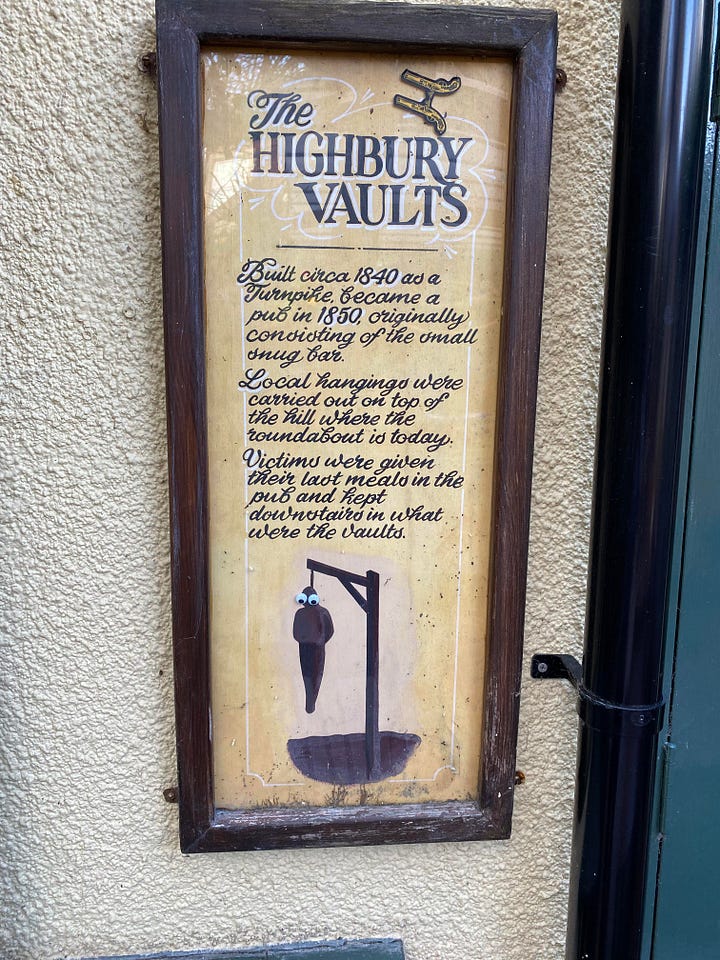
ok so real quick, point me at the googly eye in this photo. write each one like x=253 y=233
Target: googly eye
x=313 y=599
x=301 y=598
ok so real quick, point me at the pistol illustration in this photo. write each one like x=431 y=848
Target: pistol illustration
x=424 y=108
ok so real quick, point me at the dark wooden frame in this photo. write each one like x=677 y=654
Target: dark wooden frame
x=529 y=38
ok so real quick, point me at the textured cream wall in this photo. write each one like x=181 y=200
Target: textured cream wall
x=89 y=861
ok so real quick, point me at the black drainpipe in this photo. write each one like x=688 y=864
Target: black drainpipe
x=661 y=114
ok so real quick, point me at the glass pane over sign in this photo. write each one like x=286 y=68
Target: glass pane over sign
x=354 y=236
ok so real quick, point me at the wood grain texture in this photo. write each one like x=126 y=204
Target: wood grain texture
x=181 y=210
x=530 y=38
x=531 y=138
x=302 y=22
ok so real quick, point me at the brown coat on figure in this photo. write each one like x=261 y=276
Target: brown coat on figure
x=312 y=628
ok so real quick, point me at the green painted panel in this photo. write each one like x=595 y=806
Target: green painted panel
x=682 y=494
x=687 y=914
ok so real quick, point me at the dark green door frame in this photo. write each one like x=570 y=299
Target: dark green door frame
x=682 y=919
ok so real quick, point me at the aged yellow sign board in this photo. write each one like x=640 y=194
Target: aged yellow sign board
x=354 y=203
x=354 y=237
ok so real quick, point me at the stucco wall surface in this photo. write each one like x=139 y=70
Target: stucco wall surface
x=90 y=861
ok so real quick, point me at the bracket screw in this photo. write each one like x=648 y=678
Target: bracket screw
x=147 y=63
x=542 y=667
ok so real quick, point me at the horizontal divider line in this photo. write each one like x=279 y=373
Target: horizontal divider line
x=308 y=246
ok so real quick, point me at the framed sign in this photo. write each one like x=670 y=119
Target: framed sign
x=354 y=205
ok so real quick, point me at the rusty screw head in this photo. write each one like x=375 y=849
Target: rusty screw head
x=170 y=794
x=147 y=63
x=560 y=79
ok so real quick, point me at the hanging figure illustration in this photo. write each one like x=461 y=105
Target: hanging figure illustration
x=347 y=758
x=312 y=628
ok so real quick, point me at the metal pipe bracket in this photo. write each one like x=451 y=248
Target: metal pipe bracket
x=616 y=719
